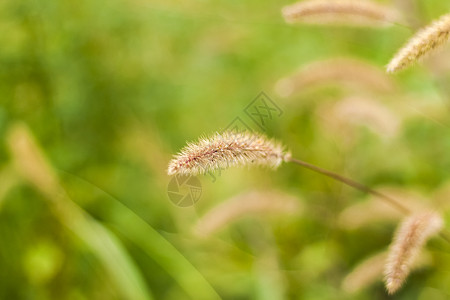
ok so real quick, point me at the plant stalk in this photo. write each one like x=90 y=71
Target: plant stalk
x=352 y=183
x=363 y=188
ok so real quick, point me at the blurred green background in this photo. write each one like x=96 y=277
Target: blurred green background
x=96 y=96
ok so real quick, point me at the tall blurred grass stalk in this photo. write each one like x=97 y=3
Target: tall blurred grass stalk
x=30 y=162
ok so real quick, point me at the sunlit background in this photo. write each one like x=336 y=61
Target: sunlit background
x=96 y=96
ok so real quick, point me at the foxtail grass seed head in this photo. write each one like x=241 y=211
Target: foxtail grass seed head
x=423 y=43
x=409 y=239
x=265 y=202
x=340 y=12
x=348 y=112
x=370 y=271
x=227 y=149
x=342 y=71
x=365 y=273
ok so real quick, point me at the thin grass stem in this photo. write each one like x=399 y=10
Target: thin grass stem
x=352 y=183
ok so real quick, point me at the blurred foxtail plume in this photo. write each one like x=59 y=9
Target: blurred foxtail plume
x=336 y=71
x=370 y=270
x=249 y=203
x=343 y=12
x=30 y=163
x=340 y=117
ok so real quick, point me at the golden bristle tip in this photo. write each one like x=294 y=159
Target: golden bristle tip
x=227 y=149
x=423 y=43
x=408 y=242
x=342 y=12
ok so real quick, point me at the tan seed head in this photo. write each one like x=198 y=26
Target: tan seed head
x=409 y=239
x=424 y=42
x=227 y=149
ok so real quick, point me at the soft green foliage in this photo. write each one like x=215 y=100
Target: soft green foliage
x=109 y=90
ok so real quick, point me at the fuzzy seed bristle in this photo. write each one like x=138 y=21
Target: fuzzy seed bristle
x=227 y=149
x=424 y=42
x=343 y=12
x=409 y=239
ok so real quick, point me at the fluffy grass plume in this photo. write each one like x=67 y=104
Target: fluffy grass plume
x=249 y=203
x=424 y=42
x=409 y=239
x=370 y=271
x=343 y=70
x=343 y=115
x=342 y=12
x=227 y=149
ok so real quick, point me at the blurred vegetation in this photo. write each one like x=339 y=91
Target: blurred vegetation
x=97 y=95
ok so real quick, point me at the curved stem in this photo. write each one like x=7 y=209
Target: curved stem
x=363 y=188
x=352 y=183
